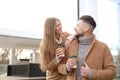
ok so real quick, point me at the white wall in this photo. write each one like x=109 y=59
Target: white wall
x=26 y=17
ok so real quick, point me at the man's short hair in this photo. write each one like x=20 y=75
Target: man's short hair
x=88 y=19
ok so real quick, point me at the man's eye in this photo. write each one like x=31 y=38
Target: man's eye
x=57 y=25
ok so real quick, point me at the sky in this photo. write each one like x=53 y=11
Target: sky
x=26 y=17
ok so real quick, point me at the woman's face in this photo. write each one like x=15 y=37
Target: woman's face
x=58 y=27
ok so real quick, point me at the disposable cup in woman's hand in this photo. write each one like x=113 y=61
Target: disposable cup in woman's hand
x=61 y=50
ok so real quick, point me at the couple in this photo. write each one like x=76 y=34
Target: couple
x=94 y=59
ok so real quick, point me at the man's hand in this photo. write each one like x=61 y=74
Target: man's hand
x=70 y=64
x=84 y=70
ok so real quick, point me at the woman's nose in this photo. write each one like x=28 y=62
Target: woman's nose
x=60 y=26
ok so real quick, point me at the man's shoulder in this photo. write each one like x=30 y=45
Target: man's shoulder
x=74 y=41
x=101 y=43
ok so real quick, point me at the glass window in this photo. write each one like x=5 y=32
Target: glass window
x=107 y=16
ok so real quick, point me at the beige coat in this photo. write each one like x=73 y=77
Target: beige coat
x=98 y=58
x=52 y=72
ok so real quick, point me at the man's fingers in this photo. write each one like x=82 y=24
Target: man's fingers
x=85 y=64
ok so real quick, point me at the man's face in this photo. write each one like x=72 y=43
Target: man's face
x=80 y=28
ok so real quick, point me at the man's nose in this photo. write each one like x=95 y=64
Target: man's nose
x=75 y=28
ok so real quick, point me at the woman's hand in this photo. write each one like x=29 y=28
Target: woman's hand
x=60 y=53
x=68 y=41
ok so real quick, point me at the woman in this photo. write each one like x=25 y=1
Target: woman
x=50 y=55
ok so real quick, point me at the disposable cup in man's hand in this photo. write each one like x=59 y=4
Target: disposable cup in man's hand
x=74 y=59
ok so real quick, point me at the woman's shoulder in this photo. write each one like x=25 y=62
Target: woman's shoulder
x=65 y=34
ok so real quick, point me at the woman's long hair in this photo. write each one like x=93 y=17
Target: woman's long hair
x=48 y=44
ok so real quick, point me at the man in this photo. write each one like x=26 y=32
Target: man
x=95 y=61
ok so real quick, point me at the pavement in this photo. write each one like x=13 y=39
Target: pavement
x=5 y=77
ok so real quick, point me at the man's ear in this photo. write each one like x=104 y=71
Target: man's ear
x=86 y=28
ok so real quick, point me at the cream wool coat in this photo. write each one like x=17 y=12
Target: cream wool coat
x=52 y=71
x=98 y=58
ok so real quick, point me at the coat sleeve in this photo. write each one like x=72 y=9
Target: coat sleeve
x=71 y=50
x=52 y=65
x=62 y=66
x=109 y=70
